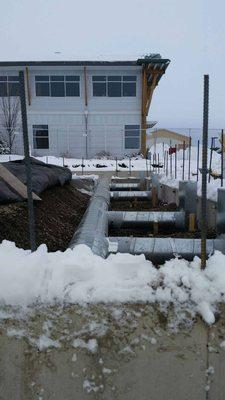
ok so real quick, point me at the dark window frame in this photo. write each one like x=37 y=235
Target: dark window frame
x=64 y=82
x=132 y=133
x=114 y=86
x=39 y=139
x=9 y=86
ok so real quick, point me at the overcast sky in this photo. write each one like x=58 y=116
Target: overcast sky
x=190 y=33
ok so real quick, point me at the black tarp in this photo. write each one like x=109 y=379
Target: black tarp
x=44 y=176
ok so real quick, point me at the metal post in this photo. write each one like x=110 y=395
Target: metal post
x=204 y=170
x=146 y=161
x=150 y=160
x=158 y=163
x=129 y=165
x=116 y=166
x=82 y=165
x=221 y=158
x=27 y=162
x=167 y=155
x=198 y=161
x=189 y=159
x=175 y=161
x=183 y=160
x=210 y=159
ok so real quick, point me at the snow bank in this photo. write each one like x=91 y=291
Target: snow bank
x=79 y=276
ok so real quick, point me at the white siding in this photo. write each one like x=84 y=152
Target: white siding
x=65 y=116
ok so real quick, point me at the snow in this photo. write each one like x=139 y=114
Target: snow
x=139 y=164
x=170 y=180
x=79 y=277
x=91 y=345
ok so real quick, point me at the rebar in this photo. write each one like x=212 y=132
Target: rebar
x=204 y=171
x=27 y=162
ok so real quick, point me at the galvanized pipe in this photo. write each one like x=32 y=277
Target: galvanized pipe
x=121 y=195
x=93 y=228
x=158 y=250
x=128 y=219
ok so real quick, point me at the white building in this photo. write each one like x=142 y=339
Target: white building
x=81 y=109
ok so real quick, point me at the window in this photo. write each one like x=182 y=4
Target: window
x=99 y=85
x=57 y=85
x=129 y=86
x=42 y=86
x=114 y=86
x=40 y=136
x=132 y=137
x=9 y=86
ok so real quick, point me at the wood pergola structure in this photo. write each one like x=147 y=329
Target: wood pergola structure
x=153 y=67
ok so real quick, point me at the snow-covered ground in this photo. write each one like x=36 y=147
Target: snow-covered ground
x=140 y=164
x=80 y=277
x=170 y=180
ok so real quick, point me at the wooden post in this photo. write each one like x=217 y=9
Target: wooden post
x=155 y=228
x=191 y=222
x=143 y=112
x=154 y=197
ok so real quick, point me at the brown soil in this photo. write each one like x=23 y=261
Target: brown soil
x=57 y=216
x=139 y=205
x=142 y=232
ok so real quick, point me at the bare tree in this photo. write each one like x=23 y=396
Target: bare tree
x=9 y=119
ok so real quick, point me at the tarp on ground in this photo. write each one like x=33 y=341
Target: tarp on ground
x=44 y=176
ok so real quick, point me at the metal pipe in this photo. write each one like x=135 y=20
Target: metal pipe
x=158 y=250
x=93 y=228
x=128 y=219
x=131 y=195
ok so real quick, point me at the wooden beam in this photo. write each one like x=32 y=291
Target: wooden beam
x=143 y=111
x=15 y=183
x=150 y=91
x=28 y=86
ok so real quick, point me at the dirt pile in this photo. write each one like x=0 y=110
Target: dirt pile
x=57 y=216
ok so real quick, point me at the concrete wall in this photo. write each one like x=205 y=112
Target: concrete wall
x=171 y=195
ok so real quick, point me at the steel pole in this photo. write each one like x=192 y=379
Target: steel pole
x=27 y=161
x=204 y=170
x=221 y=158
x=198 y=160
x=189 y=159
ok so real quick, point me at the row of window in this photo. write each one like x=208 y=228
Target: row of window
x=9 y=86
x=69 y=86
x=131 y=137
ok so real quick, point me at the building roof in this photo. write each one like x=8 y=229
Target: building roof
x=154 y=62
x=166 y=133
x=66 y=63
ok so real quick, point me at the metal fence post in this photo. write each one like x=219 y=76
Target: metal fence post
x=189 y=159
x=204 y=170
x=183 y=160
x=198 y=160
x=27 y=161
x=221 y=158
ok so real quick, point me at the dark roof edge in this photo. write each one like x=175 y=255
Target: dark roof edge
x=66 y=63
